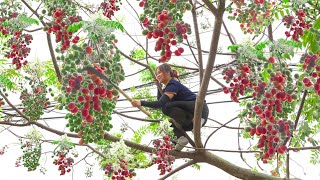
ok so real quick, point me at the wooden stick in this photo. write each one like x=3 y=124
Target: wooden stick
x=102 y=76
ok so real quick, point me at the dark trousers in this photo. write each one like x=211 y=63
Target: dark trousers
x=182 y=112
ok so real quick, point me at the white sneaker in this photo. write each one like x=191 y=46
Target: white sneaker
x=181 y=143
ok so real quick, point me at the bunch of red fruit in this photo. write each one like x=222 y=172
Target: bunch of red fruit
x=19 y=49
x=251 y=16
x=271 y=137
x=297 y=24
x=122 y=173
x=240 y=83
x=310 y=64
x=163 y=159
x=269 y=99
x=59 y=28
x=64 y=163
x=17 y=44
x=166 y=30
x=92 y=93
x=109 y=7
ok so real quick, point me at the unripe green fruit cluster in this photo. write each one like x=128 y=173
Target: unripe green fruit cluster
x=31 y=155
x=34 y=102
x=89 y=99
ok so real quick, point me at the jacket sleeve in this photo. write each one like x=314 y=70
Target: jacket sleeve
x=156 y=104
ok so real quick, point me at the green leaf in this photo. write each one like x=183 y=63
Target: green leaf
x=74 y=27
x=196 y=166
x=265 y=75
x=316 y=24
x=282 y=13
x=233 y=48
x=276 y=15
x=28 y=20
x=110 y=24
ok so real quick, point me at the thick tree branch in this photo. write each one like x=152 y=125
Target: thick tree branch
x=211 y=7
x=205 y=83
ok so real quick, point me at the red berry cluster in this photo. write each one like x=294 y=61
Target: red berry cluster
x=310 y=64
x=239 y=83
x=165 y=29
x=19 y=49
x=163 y=159
x=17 y=44
x=269 y=98
x=109 y=7
x=272 y=136
x=59 y=28
x=92 y=93
x=251 y=16
x=297 y=24
x=64 y=163
x=122 y=173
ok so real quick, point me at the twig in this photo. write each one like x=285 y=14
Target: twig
x=13 y=107
x=287 y=166
x=218 y=129
x=136 y=118
x=187 y=164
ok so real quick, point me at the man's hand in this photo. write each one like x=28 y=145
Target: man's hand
x=136 y=103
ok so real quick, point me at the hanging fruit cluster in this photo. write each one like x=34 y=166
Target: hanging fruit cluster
x=296 y=25
x=17 y=44
x=90 y=100
x=109 y=7
x=272 y=102
x=123 y=172
x=163 y=159
x=61 y=155
x=312 y=77
x=163 y=22
x=63 y=162
x=35 y=101
x=59 y=27
x=252 y=15
x=31 y=154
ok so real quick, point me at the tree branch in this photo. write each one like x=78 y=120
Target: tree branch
x=218 y=129
x=205 y=83
x=187 y=164
x=198 y=40
x=13 y=107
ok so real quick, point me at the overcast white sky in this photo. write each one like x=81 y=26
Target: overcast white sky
x=223 y=139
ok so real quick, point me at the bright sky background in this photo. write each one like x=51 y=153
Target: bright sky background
x=223 y=139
